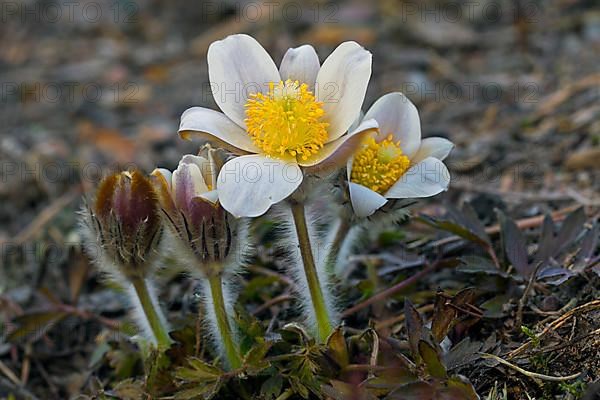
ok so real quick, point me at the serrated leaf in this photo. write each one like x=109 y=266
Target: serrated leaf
x=129 y=390
x=298 y=387
x=158 y=372
x=198 y=371
x=204 y=391
x=249 y=328
x=432 y=360
x=255 y=360
x=337 y=348
x=515 y=246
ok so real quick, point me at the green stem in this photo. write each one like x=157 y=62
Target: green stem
x=156 y=325
x=226 y=336
x=324 y=326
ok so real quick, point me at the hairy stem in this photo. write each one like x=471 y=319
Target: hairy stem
x=317 y=300
x=152 y=315
x=343 y=227
x=225 y=333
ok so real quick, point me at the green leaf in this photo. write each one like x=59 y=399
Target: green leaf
x=250 y=329
x=413 y=391
x=255 y=361
x=337 y=348
x=271 y=388
x=495 y=307
x=432 y=360
x=198 y=371
x=205 y=391
x=129 y=389
x=459 y=388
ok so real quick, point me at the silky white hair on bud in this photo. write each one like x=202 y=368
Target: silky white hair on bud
x=363 y=231
x=351 y=245
x=111 y=272
x=232 y=266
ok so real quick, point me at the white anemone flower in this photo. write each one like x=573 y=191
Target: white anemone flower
x=280 y=121
x=395 y=163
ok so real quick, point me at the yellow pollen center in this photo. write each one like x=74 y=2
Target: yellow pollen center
x=286 y=121
x=379 y=165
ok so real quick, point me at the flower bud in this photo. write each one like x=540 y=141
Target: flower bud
x=190 y=204
x=125 y=220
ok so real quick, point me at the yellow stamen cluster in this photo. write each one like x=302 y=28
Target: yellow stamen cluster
x=378 y=165
x=286 y=121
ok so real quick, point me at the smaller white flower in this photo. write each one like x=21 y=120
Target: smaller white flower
x=395 y=163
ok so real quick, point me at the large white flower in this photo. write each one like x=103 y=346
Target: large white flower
x=395 y=163
x=282 y=121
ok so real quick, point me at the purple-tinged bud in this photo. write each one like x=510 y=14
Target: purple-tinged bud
x=191 y=208
x=125 y=220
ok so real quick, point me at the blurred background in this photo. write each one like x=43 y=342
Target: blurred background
x=90 y=86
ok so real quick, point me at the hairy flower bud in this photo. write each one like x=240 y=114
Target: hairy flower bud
x=125 y=221
x=190 y=205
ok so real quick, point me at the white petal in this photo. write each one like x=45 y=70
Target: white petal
x=341 y=86
x=397 y=115
x=337 y=152
x=203 y=164
x=200 y=161
x=249 y=185
x=435 y=147
x=210 y=125
x=425 y=179
x=364 y=201
x=212 y=196
x=300 y=64
x=238 y=66
x=187 y=184
x=166 y=174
